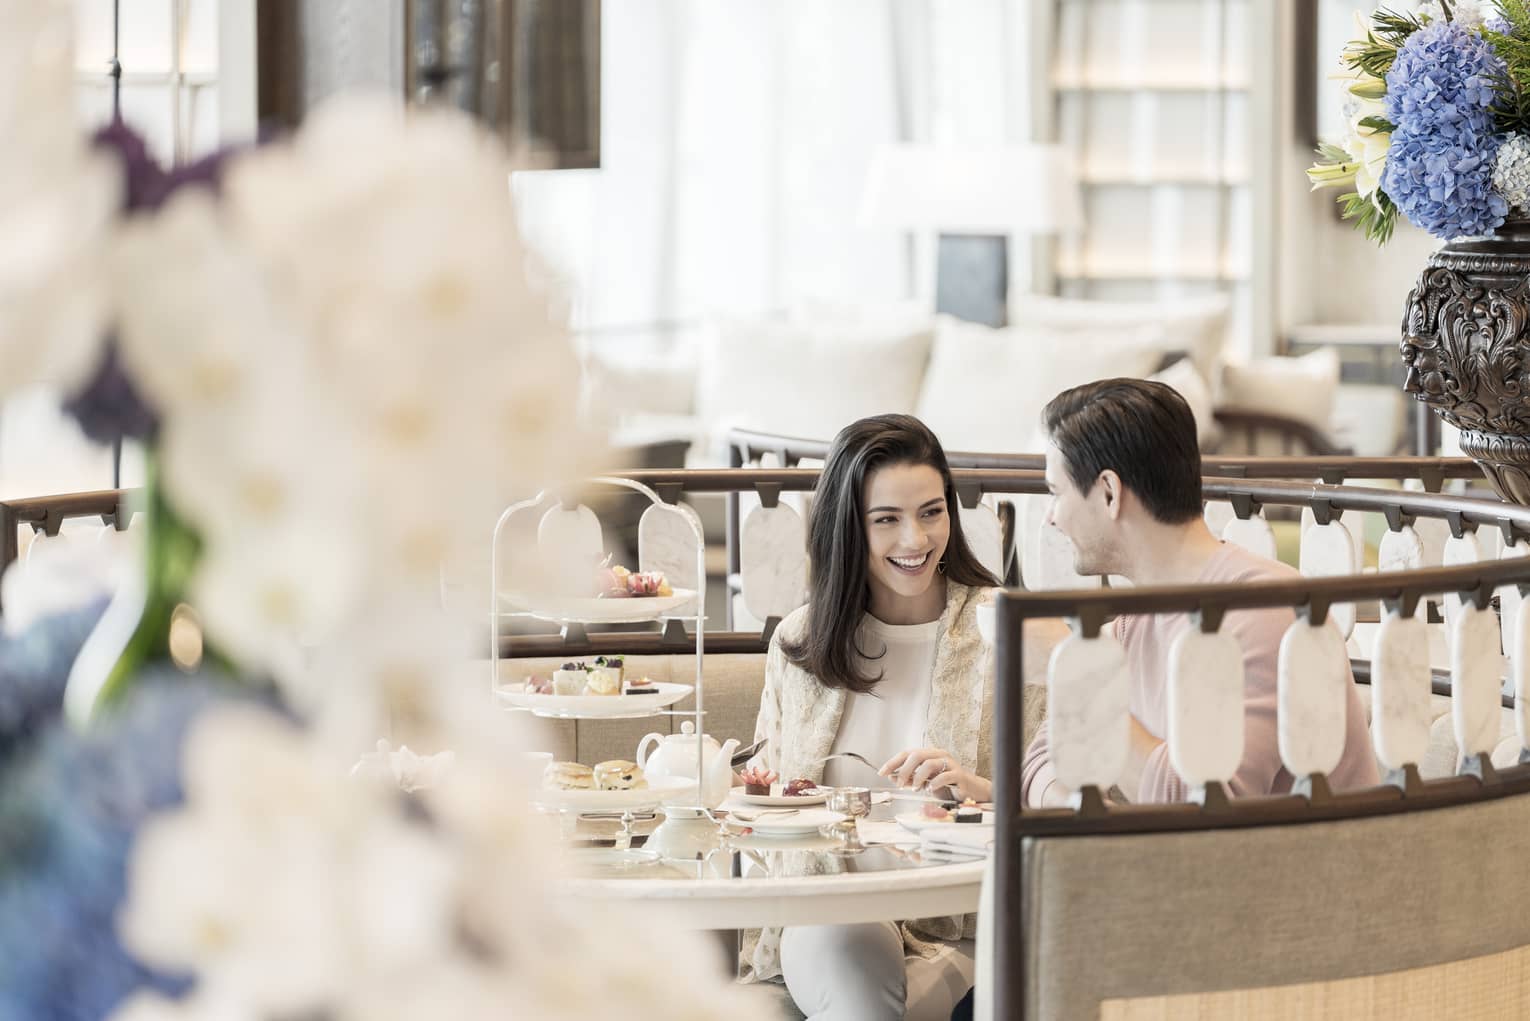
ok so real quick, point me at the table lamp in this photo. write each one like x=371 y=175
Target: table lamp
x=973 y=197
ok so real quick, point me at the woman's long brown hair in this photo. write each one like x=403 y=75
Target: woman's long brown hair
x=839 y=592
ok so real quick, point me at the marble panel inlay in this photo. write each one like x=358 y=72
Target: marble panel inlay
x=1400 y=694
x=1087 y=714
x=1519 y=663
x=668 y=542
x=1434 y=533
x=1031 y=510
x=571 y=547
x=1205 y=706
x=1353 y=522
x=1046 y=555
x=773 y=561
x=1458 y=552
x=1476 y=665
x=1253 y=534
x=1312 y=698
x=1217 y=514
x=1509 y=602
x=985 y=537
x=1328 y=550
x=1402 y=550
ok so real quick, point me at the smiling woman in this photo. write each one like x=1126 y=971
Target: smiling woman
x=885 y=661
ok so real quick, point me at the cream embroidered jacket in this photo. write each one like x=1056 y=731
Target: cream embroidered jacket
x=800 y=716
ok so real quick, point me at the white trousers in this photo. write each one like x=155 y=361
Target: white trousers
x=859 y=973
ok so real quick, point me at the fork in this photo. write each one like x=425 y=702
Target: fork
x=852 y=755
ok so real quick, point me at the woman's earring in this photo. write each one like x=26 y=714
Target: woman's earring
x=940 y=565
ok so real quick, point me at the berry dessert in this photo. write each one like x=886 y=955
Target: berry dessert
x=797 y=788
x=611 y=663
x=758 y=780
x=613 y=581
x=538 y=685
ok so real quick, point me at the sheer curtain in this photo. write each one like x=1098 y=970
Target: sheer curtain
x=735 y=143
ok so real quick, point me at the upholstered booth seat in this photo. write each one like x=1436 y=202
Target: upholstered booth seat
x=1415 y=915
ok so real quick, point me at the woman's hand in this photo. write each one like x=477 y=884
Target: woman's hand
x=932 y=768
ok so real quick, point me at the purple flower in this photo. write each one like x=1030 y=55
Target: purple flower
x=109 y=407
x=1439 y=168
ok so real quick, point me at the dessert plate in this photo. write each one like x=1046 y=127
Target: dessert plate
x=916 y=821
x=809 y=820
x=593 y=706
x=590 y=608
x=814 y=796
x=643 y=798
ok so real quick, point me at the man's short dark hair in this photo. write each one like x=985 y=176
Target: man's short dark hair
x=1143 y=431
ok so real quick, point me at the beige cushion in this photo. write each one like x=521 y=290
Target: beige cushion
x=1195 y=326
x=1299 y=388
x=1192 y=386
x=810 y=379
x=986 y=388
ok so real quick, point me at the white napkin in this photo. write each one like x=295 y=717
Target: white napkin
x=957 y=838
x=884 y=831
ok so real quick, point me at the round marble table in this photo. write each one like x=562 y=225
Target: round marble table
x=741 y=882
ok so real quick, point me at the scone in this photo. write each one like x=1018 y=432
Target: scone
x=619 y=775
x=568 y=776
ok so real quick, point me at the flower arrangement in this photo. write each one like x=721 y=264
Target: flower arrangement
x=1438 y=120
x=334 y=347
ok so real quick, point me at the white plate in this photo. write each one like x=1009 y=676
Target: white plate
x=781 y=800
x=648 y=797
x=589 y=608
x=590 y=706
x=916 y=821
x=809 y=820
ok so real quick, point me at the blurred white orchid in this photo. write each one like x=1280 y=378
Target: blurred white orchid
x=57 y=205
x=348 y=341
x=287 y=887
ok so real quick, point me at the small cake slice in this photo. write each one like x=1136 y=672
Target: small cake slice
x=758 y=780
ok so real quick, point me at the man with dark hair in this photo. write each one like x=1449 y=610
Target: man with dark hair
x=1124 y=471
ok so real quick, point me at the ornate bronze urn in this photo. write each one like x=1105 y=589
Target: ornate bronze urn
x=1466 y=343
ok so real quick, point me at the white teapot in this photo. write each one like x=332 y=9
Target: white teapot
x=675 y=755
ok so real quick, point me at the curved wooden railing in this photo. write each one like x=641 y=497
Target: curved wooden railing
x=47 y=514
x=1401 y=592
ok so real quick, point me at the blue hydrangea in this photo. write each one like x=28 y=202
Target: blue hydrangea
x=34 y=668
x=1439 y=168
x=69 y=808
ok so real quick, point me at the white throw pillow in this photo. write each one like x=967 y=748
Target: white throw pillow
x=1195 y=326
x=1184 y=378
x=986 y=388
x=1297 y=388
x=808 y=380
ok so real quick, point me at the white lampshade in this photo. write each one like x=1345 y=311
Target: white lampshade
x=999 y=189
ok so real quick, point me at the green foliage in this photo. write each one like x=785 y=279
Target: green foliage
x=1376 y=218
x=1513 y=47
x=1378 y=123
x=1511 y=108
x=1375 y=53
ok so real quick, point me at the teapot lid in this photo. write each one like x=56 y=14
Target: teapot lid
x=688 y=727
